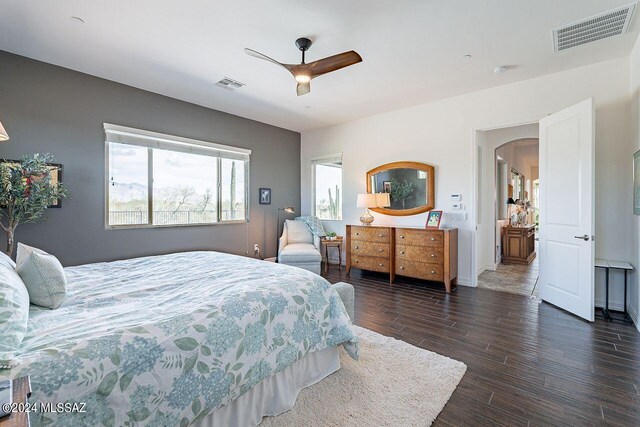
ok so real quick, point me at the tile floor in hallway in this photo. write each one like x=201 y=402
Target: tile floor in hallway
x=513 y=278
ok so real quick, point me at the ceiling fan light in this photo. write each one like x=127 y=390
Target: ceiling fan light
x=303 y=78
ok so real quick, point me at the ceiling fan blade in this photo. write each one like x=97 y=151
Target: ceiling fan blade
x=259 y=55
x=333 y=63
x=303 y=88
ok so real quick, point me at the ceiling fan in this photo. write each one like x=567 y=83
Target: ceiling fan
x=303 y=73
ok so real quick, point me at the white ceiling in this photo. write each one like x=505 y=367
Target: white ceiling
x=412 y=49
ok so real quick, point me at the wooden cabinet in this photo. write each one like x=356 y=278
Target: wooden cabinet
x=369 y=248
x=518 y=244
x=421 y=253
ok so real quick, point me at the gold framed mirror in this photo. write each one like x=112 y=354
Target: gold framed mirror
x=410 y=185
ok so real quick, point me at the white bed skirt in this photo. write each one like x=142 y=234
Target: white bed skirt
x=276 y=394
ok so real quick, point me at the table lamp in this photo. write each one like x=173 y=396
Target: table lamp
x=383 y=200
x=369 y=200
x=4 y=136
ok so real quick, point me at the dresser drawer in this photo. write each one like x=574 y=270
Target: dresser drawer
x=371 y=234
x=428 y=254
x=359 y=248
x=417 y=237
x=370 y=263
x=420 y=270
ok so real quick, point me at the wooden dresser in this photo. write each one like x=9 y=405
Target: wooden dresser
x=518 y=244
x=421 y=253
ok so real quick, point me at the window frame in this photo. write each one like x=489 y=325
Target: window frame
x=138 y=133
x=326 y=160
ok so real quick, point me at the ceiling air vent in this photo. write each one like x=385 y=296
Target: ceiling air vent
x=229 y=84
x=609 y=24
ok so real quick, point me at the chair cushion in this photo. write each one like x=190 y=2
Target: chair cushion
x=298 y=232
x=14 y=315
x=43 y=276
x=299 y=252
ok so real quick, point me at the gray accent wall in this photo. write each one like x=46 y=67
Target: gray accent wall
x=46 y=108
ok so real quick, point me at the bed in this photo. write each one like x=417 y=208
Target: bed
x=199 y=338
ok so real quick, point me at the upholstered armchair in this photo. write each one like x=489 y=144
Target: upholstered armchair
x=299 y=247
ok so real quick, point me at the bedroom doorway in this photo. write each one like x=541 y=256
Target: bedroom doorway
x=566 y=214
x=516 y=226
x=509 y=175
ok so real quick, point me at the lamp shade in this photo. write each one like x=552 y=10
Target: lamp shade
x=366 y=201
x=510 y=201
x=289 y=209
x=4 y=136
x=383 y=200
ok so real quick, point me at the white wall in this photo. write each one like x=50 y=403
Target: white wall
x=441 y=133
x=634 y=86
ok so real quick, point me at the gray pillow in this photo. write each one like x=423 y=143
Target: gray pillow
x=298 y=232
x=14 y=314
x=43 y=276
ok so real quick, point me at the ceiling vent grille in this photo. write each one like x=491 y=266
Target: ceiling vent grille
x=609 y=24
x=229 y=84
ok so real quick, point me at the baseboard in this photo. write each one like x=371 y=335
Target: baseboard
x=335 y=260
x=612 y=305
x=465 y=281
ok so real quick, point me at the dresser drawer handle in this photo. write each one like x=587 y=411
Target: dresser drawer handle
x=433 y=255
x=401 y=267
x=433 y=238
x=380 y=250
x=380 y=264
x=433 y=272
x=401 y=236
x=357 y=247
x=402 y=252
x=380 y=235
x=357 y=234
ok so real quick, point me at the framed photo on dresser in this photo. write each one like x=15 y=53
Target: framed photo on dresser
x=433 y=219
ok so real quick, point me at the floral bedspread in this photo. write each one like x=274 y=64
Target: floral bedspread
x=166 y=340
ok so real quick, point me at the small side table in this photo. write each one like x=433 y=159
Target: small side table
x=601 y=263
x=626 y=268
x=21 y=391
x=337 y=243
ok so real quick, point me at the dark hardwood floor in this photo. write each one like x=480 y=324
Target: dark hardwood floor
x=528 y=364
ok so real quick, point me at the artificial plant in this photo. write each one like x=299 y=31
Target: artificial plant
x=401 y=191
x=26 y=191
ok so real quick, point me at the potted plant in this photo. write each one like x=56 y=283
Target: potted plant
x=331 y=235
x=26 y=191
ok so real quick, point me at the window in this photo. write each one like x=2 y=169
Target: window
x=162 y=180
x=327 y=187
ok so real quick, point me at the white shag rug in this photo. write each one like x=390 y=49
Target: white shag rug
x=393 y=384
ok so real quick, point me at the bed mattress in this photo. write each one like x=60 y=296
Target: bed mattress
x=167 y=340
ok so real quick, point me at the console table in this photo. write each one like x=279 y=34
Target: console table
x=518 y=244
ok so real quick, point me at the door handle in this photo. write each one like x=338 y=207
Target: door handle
x=585 y=237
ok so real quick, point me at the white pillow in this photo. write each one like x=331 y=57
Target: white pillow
x=6 y=260
x=298 y=232
x=42 y=275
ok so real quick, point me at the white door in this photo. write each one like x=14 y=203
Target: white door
x=567 y=209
